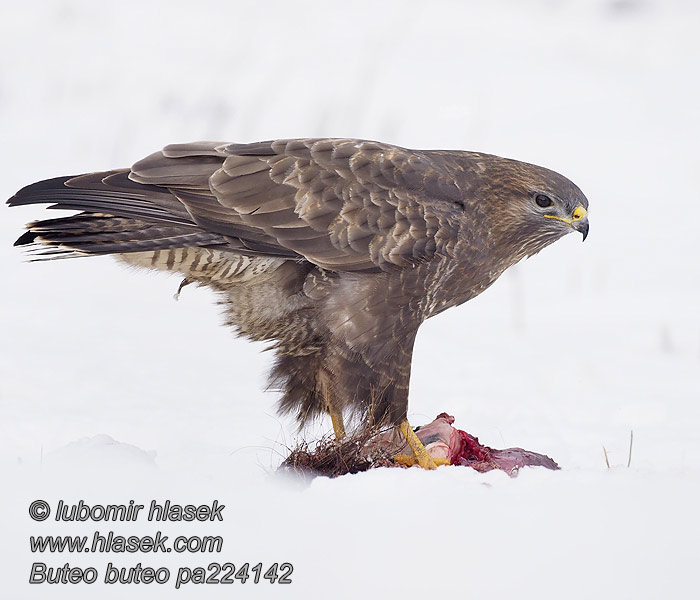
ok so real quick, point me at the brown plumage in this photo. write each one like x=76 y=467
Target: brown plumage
x=334 y=250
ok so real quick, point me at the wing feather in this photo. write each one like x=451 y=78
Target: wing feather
x=343 y=204
x=373 y=205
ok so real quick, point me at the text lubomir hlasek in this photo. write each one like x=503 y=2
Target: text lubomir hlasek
x=166 y=511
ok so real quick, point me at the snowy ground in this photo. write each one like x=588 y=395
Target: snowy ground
x=111 y=391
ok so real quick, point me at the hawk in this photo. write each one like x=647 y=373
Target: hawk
x=333 y=250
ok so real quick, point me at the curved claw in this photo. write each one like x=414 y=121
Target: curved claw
x=420 y=454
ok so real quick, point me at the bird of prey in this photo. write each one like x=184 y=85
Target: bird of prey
x=334 y=250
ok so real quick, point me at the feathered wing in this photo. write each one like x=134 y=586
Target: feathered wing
x=266 y=214
x=344 y=205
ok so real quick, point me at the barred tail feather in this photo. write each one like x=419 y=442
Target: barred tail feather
x=118 y=216
x=89 y=234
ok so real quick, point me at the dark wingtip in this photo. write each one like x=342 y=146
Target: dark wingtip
x=26 y=238
x=39 y=192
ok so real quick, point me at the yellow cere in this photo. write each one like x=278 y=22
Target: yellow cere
x=579 y=213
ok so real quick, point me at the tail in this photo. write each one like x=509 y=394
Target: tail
x=117 y=216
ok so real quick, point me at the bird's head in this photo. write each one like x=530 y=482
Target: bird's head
x=532 y=206
x=565 y=205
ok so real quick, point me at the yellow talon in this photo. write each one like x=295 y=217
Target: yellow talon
x=405 y=460
x=420 y=454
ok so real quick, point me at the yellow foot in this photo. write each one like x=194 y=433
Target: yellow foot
x=420 y=454
x=408 y=460
x=405 y=460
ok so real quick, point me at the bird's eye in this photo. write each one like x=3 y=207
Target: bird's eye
x=543 y=201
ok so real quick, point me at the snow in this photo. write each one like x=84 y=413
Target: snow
x=111 y=391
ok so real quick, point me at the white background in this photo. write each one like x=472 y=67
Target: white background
x=111 y=391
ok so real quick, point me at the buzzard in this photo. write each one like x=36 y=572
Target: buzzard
x=334 y=250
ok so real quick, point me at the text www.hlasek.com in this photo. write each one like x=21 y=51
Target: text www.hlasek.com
x=109 y=541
